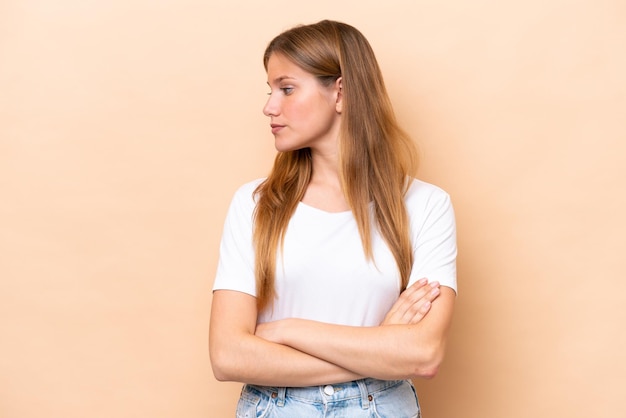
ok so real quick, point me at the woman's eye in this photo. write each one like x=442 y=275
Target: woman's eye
x=286 y=91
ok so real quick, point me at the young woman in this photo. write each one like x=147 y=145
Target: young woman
x=337 y=272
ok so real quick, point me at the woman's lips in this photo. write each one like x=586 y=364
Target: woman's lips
x=276 y=128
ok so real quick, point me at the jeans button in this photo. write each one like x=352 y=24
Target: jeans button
x=329 y=390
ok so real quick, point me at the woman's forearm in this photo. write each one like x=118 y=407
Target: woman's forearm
x=238 y=355
x=385 y=352
x=260 y=362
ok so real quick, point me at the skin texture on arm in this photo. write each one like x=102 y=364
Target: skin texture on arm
x=239 y=355
x=393 y=350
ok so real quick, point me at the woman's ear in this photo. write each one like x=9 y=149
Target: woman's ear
x=339 y=102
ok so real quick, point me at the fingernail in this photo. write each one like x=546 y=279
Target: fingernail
x=435 y=291
x=423 y=280
x=434 y=284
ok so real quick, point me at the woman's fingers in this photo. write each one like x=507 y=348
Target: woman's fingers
x=413 y=304
x=420 y=303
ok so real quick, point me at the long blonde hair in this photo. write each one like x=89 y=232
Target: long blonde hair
x=377 y=158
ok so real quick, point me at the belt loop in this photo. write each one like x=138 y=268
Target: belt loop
x=365 y=402
x=280 y=401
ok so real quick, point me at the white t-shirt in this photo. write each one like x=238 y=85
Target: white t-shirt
x=323 y=274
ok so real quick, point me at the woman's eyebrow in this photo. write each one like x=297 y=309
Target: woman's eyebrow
x=282 y=78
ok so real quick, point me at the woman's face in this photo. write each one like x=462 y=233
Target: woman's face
x=303 y=113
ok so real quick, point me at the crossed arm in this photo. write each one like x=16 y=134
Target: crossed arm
x=410 y=342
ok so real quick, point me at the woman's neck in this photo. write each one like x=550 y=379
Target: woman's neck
x=324 y=190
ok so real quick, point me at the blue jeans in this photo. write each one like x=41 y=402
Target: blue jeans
x=366 y=398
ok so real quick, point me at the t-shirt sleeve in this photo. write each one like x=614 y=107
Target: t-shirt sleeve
x=235 y=269
x=434 y=240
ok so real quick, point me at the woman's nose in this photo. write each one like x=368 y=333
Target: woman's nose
x=271 y=107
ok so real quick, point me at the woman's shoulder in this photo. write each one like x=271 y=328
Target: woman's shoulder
x=244 y=194
x=425 y=201
x=419 y=190
x=248 y=188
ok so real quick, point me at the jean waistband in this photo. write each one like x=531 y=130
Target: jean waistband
x=363 y=388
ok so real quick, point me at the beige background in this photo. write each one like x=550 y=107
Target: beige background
x=125 y=127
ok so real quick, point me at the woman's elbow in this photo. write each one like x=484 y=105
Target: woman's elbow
x=428 y=372
x=219 y=375
x=219 y=371
x=221 y=364
x=217 y=366
x=426 y=366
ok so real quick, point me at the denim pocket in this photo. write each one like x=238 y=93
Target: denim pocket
x=398 y=401
x=253 y=404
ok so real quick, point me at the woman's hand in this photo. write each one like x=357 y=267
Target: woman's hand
x=413 y=304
